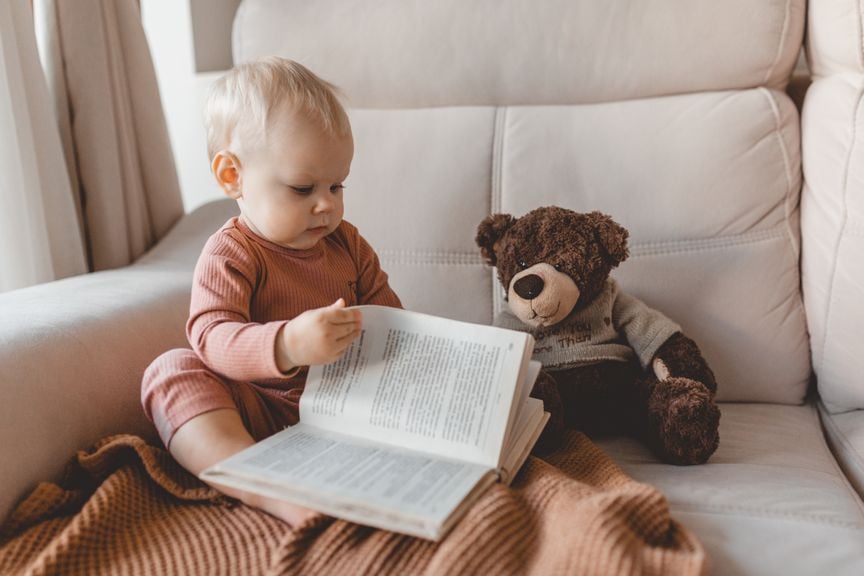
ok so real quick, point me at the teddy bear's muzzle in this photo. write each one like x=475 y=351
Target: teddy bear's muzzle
x=541 y=295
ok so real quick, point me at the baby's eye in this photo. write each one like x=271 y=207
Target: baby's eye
x=304 y=190
x=336 y=188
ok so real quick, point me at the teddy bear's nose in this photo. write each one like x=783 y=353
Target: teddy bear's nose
x=529 y=287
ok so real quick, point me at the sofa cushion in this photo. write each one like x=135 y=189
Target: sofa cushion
x=419 y=185
x=393 y=54
x=834 y=37
x=772 y=487
x=845 y=433
x=707 y=184
x=832 y=205
x=565 y=109
x=73 y=352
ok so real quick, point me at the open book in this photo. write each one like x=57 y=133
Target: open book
x=406 y=429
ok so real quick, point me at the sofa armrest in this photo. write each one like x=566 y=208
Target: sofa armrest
x=72 y=353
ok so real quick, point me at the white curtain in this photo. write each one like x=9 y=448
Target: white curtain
x=40 y=237
x=103 y=85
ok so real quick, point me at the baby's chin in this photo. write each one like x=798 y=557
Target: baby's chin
x=307 y=240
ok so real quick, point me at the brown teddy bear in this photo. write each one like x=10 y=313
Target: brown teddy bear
x=611 y=363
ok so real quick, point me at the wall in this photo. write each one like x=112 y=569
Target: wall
x=191 y=44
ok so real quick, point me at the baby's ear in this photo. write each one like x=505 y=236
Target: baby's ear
x=490 y=231
x=612 y=237
x=226 y=168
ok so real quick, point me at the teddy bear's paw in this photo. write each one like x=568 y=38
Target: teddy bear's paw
x=684 y=421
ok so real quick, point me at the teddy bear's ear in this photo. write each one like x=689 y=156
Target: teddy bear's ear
x=489 y=231
x=612 y=237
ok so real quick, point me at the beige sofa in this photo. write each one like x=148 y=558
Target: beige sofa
x=672 y=117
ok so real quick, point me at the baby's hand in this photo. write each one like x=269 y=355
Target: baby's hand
x=317 y=336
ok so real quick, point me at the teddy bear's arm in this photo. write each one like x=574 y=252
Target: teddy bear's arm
x=645 y=328
x=680 y=357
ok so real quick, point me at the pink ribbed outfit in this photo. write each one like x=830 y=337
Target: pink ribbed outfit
x=245 y=289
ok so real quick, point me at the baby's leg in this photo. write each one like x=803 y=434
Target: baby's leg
x=215 y=435
x=198 y=419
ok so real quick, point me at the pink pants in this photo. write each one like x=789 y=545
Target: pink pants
x=178 y=386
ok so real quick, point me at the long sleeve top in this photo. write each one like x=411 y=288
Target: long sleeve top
x=246 y=288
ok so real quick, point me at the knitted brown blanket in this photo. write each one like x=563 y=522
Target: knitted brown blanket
x=127 y=507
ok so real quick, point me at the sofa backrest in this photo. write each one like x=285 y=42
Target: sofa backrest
x=832 y=204
x=671 y=117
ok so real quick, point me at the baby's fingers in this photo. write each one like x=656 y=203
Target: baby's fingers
x=343 y=316
x=345 y=333
x=338 y=344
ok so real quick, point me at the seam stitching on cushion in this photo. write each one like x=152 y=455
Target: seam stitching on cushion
x=860 y=22
x=707 y=244
x=764 y=512
x=787 y=211
x=817 y=421
x=638 y=250
x=784 y=32
x=790 y=192
x=825 y=422
x=838 y=240
x=497 y=159
x=495 y=205
x=430 y=257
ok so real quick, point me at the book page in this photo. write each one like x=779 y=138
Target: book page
x=519 y=404
x=357 y=480
x=422 y=382
x=531 y=423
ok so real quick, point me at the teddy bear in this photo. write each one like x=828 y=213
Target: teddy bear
x=611 y=364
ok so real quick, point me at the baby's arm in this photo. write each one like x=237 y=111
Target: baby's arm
x=317 y=336
x=220 y=327
x=222 y=333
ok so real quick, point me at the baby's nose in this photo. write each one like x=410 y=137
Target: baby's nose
x=324 y=204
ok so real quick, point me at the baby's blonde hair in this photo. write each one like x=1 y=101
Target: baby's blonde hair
x=243 y=101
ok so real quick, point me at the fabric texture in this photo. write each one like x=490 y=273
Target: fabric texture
x=99 y=331
x=615 y=326
x=115 y=140
x=39 y=236
x=832 y=201
x=390 y=54
x=126 y=506
x=771 y=500
x=245 y=289
x=845 y=434
x=729 y=275
x=178 y=386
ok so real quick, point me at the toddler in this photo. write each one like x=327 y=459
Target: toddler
x=271 y=287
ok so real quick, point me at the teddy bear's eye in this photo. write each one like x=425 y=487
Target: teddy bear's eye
x=522 y=264
x=558 y=267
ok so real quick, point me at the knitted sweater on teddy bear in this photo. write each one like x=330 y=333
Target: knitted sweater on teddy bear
x=615 y=326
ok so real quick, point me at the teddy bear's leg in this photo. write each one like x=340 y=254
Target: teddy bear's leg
x=681 y=420
x=601 y=398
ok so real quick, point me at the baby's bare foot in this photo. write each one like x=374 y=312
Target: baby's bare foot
x=292 y=514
